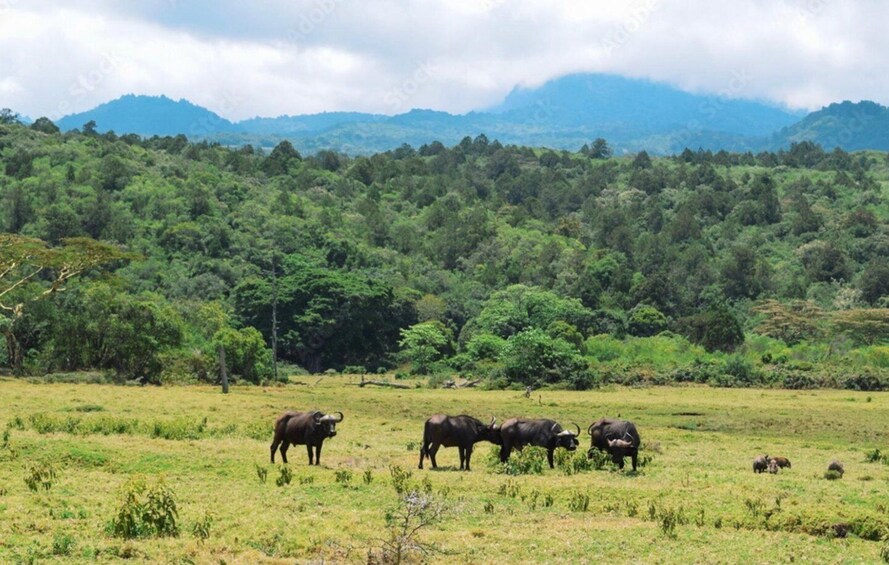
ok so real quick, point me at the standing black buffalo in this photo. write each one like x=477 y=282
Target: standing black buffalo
x=460 y=431
x=304 y=428
x=519 y=432
x=617 y=437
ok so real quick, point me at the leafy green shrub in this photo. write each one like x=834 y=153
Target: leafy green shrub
x=485 y=347
x=40 y=476
x=261 y=473
x=579 y=501
x=246 y=355
x=645 y=321
x=146 y=511
x=201 y=528
x=531 y=357
x=285 y=477
x=344 y=477
x=368 y=476
x=864 y=382
x=425 y=343
x=529 y=461
x=573 y=462
x=62 y=544
x=400 y=479
x=832 y=475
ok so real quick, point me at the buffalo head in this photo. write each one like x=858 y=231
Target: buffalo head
x=566 y=438
x=327 y=422
x=491 y=433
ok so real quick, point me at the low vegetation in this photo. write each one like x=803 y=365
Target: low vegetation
x=108 y=502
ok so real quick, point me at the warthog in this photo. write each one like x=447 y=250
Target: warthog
x=773 y=466
x=836 y=466
x=460 y=431
x=761 y=463
x=782 y=462
x=304 y=428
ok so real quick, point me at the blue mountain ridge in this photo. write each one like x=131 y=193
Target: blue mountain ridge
x=632 y=114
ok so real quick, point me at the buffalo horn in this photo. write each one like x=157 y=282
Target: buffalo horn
x=340 y=419
x=590 y=429
x=317 y=416
x=578 y=428
x=554 y=428
x=493 y=419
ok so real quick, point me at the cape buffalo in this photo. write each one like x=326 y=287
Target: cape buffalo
x=460 y=431
x=304 y=428
x=617 y=437
x=519 y=432
x=782 y=462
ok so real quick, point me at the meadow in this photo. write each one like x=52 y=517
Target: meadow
x=69 y=451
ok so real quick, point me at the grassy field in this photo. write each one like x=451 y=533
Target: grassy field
x=696 y=499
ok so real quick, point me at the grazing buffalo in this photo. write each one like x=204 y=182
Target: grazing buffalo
x=519 y=432
x=304 y=428
x=761 y=463
x=460 y=431
x=773 y=467
x=782 y=462
x=836 y=466
x=618 y=437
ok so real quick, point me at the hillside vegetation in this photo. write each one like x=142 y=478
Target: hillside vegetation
x=518 y=265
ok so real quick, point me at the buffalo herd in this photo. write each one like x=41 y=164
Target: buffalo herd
x=619 y=438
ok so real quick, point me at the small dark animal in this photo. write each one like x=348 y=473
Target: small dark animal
x=519 y=432
x=761 y=463
x=782 y=462
x=456 y=431
x=773 y=466
x=836 y=466
x=304 y=428
x=617 y=437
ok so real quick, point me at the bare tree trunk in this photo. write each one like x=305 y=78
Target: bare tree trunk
x=14 y=352
x=223 y=373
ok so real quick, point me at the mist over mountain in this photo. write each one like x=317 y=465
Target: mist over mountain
x=564 y=113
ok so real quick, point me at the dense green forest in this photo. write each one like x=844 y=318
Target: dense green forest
x=518 y=265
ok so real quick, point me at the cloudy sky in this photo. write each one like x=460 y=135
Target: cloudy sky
x=273 y=57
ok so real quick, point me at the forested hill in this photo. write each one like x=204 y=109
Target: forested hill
x=498 y=250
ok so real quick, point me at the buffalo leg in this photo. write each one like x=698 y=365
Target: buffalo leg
x=433 y=449
x=549 y=457
x=274 y=448
x=424 y=450
x=318 y=454
x=468 y=456
x=504 y=452
x=633 y=456
x=284 y=447
x=462 y=451
x=309 y=449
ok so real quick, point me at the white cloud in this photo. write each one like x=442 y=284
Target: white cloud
x=280 y=56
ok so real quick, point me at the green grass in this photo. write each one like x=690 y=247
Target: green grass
x=695 y=500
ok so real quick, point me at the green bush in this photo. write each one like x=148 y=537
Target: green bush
x=246 y=355
x=533 y=358
x=646 y=321
x=529 y=461
x=146 y=511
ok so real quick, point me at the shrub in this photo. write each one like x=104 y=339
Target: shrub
x=261 y=472
x=425 y=343
x=62 y=544
x=40 y=476
x=400 y=479
x=344 y=477
x=529 y=461
x=485 y=347
x=646 y=321
x=201 y=528
x=285 y=477
x=533 y=358
x=146 y=511
x=579 y=501
x=246 y=355
x=832 y=475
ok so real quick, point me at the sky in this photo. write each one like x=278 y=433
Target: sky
x=268 y=58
